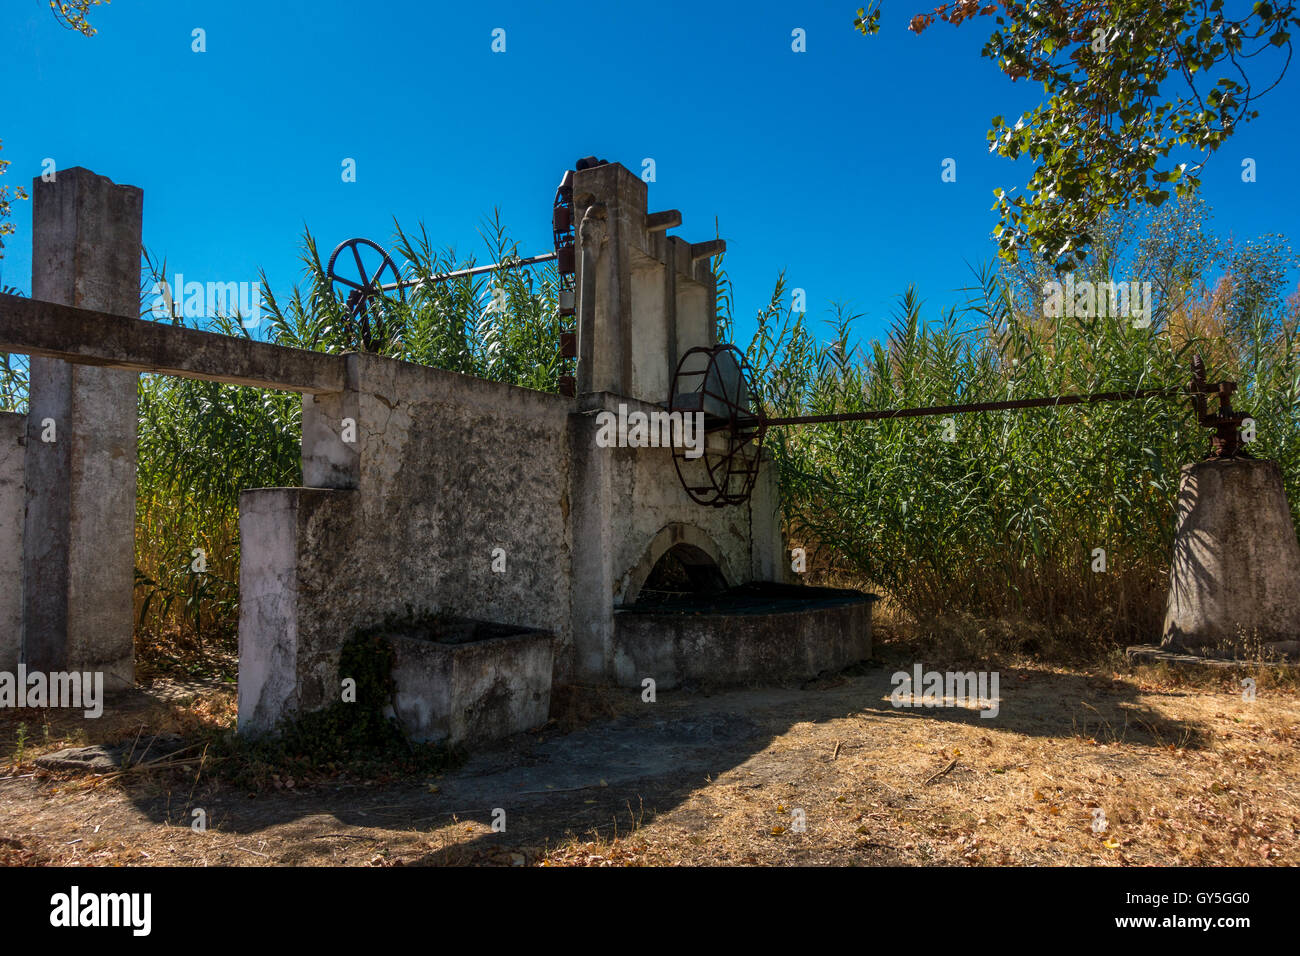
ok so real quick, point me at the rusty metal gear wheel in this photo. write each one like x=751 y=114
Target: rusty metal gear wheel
x=717 y=384
x=365 y=289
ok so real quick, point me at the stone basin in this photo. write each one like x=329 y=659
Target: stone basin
x=467 y=681
x=748 y=635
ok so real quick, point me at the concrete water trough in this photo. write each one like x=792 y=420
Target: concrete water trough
x=752 y=634
x=465 y=681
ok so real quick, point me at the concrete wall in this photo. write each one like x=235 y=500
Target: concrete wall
x=12 y=453
x=444 y=470
x=631 y=508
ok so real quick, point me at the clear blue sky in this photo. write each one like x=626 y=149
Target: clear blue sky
x=825 y=163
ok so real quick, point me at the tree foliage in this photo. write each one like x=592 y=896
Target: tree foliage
x=1138 y=94
x=6 y=199
x=74 y=14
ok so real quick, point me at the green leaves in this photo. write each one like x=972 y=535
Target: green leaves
x=1127 y=84
x=6 y=200
x=867 y=22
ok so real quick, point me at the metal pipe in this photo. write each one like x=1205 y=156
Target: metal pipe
x=885 y=413
x=476 y=270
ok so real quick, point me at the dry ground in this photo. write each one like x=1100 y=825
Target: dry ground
x=1184 y=771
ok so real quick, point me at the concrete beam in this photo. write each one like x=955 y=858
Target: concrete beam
x=707 y=250
x=663 y=221
x=87 y=337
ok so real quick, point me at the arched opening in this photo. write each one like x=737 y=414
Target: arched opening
x=681 y=561
x=683 y=571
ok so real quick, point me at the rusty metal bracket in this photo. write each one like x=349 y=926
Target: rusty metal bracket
x=1226 y=422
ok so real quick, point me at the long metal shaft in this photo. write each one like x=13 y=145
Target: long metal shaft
x=477 y=270
x=885 y=413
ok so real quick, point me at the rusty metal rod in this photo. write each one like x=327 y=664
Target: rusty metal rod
x=477 y=270
x=976 y=407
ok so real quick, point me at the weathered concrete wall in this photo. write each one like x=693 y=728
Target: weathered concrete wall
x=451 y=468
x=13 y=428
x=630 y=508
x=439 y=478
x=79 y=533
x=1234 y=581
x=445 y=469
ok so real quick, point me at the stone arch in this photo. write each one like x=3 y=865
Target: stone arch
x=687 y=541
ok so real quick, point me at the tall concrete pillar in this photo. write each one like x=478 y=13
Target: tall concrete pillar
x=79 y=531
x=1234 y=581
x=644 y=297
x=13 y=429
x=610 y=203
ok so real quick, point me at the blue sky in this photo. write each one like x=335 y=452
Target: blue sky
x=825 y=163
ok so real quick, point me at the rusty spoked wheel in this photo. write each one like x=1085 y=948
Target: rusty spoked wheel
x=716 y=384
x=365 y=285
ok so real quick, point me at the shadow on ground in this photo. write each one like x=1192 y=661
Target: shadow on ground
x=616 y=774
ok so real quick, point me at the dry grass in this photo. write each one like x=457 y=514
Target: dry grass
x=1194 y=778
x=1184 y=770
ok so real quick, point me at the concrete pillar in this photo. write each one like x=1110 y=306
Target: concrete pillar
x=644 y=297
x=606 y=239
x=769 y=557
x=13 y=427
x=593 y=582
x=1234 y=581
x=331 y=429
x=295 y=567
x=79 y=554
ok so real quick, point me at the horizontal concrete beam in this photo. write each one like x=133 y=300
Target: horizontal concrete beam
x=703 y=250
x=86 y=337
x=661 y=221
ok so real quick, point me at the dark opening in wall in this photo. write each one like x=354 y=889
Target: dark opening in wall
x=684 y=571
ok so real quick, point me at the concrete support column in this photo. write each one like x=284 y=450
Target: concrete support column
x=592 y=584
x=1234 y=581
x=79 y=533
x=13 y=429
x=295 y=568
x=610 y=201
x=332 y=428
